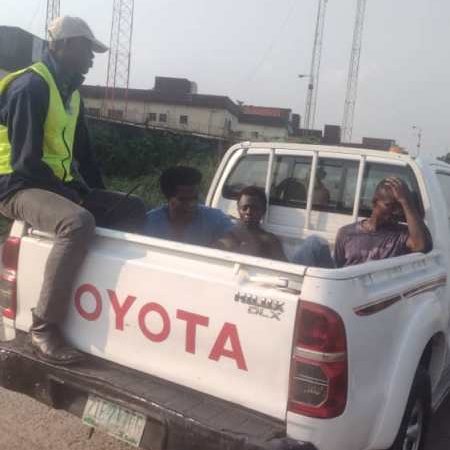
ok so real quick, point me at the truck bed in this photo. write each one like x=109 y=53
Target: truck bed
x=194 y=316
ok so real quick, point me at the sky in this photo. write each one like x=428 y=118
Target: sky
x=253 y=50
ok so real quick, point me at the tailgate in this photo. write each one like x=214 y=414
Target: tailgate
x=176 y=417
x=213 y=321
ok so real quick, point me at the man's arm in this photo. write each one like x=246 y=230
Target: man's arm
x=221 y=224
x=84 y=154
x=276 y=249
x=419 y=239
x=232 y=240
x=28 y=102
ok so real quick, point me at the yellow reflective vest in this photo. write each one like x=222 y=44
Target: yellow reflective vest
x=59 y=128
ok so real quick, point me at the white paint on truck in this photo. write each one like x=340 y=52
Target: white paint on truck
x=172 y=311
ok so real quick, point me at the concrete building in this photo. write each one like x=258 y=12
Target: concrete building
x=259 y=123
x=18 y=49
x=174 y=104
x=377 y=143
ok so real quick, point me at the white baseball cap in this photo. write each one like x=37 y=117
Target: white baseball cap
x=66 y=27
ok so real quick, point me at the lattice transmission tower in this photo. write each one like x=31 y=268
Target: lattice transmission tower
x=313 y=85
x=353 y=73
x=118 y=75
x=53 y=11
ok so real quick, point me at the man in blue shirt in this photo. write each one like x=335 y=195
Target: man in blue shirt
x=182 y=218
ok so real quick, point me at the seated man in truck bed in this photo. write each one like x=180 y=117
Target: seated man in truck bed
x=182 y=218
x=381 y=235
x=247 y=236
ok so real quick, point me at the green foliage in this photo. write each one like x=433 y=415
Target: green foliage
x=132 y=157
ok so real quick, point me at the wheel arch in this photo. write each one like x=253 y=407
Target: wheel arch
x=423 y=344
x=433 y=358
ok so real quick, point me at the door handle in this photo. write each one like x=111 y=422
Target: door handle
x=273 y=281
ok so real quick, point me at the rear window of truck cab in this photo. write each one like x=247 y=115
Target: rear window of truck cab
x=335 y=182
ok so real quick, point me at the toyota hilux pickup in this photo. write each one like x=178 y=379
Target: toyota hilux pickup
x=197 y=348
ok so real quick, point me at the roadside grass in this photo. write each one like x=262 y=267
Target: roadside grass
x=133 y=159
x=147 y=186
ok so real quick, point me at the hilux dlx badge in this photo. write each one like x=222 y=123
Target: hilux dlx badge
x=261 y=306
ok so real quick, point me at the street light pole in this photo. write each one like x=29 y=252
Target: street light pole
x=309 y=96
x=419 y=137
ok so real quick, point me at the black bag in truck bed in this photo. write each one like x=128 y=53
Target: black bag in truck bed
x=177 y=418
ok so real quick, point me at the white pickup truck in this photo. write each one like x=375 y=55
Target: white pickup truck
x=194 y=348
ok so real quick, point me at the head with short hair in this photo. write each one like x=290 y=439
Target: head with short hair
x=72 y=44
x=382 y=189
x=385 y=208
x=176 y=176
x=181 y=186
x=252 y=204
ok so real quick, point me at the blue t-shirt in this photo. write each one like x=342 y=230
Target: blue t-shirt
x=207 y=226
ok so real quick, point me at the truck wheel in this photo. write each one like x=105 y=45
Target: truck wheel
x=414 y=426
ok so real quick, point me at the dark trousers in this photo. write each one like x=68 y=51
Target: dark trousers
x=74 y=227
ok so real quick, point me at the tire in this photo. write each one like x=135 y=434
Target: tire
x=414 y=425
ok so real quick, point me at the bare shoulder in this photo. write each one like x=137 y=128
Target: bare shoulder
x=231 y=239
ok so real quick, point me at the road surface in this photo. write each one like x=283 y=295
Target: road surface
x=28 y=425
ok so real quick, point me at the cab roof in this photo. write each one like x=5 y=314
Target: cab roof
x=331 y=148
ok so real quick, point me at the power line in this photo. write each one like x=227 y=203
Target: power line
x=53 y=11
x=35 y=13
x=271 y=45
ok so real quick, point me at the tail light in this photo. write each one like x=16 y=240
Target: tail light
x=319 y=377
x=8 y=277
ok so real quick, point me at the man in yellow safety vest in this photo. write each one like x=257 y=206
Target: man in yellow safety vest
x=48 y=174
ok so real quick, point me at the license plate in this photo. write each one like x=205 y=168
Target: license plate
x=115 y=420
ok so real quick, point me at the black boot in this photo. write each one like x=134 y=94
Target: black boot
x=49 y=344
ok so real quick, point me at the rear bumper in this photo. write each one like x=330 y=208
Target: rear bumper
x=177 y=418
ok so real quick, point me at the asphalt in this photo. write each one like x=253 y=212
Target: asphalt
x=28 y=425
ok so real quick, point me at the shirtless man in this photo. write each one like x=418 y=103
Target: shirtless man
x=247 y=236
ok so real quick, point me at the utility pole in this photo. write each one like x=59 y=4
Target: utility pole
x=353 y=73
x=311 y=96
x=53 y=11
x=419 y=138
x=119 y=62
